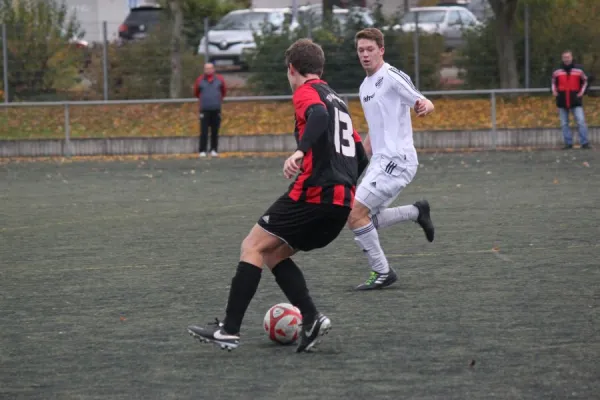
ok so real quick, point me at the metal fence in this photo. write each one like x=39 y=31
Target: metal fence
x=109 y=70
x=68 y=105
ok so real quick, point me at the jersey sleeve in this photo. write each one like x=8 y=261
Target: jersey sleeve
x=305 y=97
x=197 y=86
x=554 y=81
x=583 y=81
x=223 y=86
x=402 y=84
x=317 y=121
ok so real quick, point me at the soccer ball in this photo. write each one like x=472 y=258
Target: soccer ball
x=282 y=323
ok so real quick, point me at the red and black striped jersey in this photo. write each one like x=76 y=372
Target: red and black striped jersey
x=329 y=170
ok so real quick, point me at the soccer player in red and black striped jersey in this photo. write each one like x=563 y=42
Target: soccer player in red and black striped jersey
x=326 y=165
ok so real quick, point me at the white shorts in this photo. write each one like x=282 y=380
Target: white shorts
x=382 y=183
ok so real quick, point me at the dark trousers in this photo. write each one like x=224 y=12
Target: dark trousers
x=209 y=119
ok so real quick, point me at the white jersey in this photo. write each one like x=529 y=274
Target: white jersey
x=387 y=97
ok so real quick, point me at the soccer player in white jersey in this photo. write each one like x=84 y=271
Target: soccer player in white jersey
x=386 y=95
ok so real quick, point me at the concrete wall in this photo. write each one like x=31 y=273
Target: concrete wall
x=458 y=140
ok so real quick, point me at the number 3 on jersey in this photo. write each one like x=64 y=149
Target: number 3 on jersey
x=343 y=139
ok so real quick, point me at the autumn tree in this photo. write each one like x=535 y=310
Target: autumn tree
x=187 y=26
x=579 y=31
x=504 y=11
x=177 y=42
x=42 y=59
x=327 y=11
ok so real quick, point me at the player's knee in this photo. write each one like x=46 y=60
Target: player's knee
x=359 y=216
x=257 y=243
x=250 y=245
x=274 y=257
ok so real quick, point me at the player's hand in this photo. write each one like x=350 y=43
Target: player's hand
x=580 y=94
x=423 y=107
x=554 y=93
x=292 y=164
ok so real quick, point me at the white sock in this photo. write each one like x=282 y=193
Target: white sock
x=368 y=240
x=391 y=216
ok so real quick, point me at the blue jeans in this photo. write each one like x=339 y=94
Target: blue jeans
x=581 y=126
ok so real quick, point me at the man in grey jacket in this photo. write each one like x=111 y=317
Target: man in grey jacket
x=210 y=91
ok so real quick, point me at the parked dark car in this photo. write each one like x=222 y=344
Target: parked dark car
x=139 y=22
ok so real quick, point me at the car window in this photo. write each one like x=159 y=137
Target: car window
x=288 y=16
x=143 y=16
x=466 y=18
x=276 y=19
x=426 y=17
x=341 y=19
x=454 y=18
x=244 y=21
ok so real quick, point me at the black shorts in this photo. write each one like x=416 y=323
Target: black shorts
x=304 y=226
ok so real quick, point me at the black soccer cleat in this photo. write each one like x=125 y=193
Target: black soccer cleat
x=216 y=335
x=424 y=219
x=310 y=334
x=378 y=280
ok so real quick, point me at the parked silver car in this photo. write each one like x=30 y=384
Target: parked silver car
x=450 y=22
x=233 y=36
x=312 y=15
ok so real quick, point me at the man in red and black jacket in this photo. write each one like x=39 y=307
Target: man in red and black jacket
x=569 y=84
x=210 y=90
x=311 y=214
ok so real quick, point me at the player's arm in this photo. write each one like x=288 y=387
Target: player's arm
x=361 y=154
x=367 y=145
x=308 y=106
x=317 y=122
x=409 y=93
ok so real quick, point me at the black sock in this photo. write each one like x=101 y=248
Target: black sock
x=243 y=287
x=291 y=281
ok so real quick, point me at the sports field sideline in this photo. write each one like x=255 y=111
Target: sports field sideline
x=104 y=264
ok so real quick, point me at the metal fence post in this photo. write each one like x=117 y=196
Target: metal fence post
x=494 y=131
x=67 y=148
x=294 y=11
x=416 y=49
x=206 y=31
x=5 y=62
x=105 y=58
x=527 y=55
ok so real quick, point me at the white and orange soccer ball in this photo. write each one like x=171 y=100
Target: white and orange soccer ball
x=282 y=323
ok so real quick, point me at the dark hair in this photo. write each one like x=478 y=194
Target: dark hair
x=306 y=57
x=373 y=34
